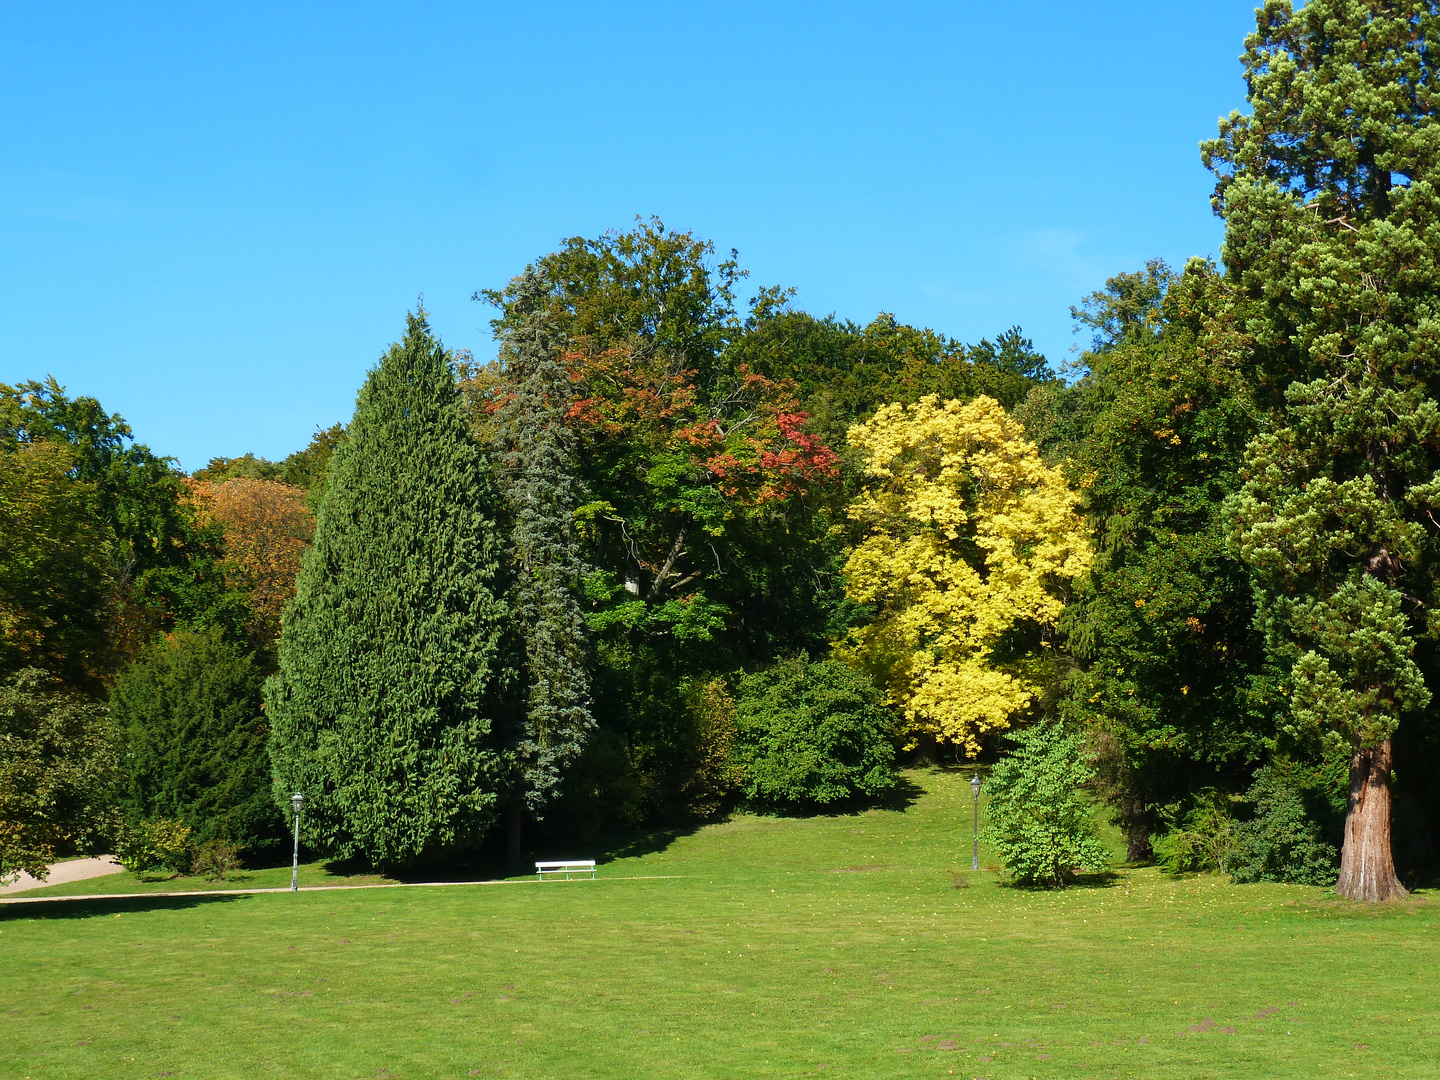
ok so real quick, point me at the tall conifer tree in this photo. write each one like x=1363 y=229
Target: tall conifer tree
x=1330 y=191
x=389 y=652
x=536 y=449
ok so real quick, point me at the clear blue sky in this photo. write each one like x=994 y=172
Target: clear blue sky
x=214 y=217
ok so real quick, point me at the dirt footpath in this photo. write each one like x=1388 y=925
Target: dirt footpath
x=63 y=873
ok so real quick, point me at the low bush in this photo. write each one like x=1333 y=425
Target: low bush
x=154 y=844
x=712 y=710
x=811 y=733
x=1268 y=834
x=215 y=860
x=1281 y=841
x=1038 y=821
x=1202 y=837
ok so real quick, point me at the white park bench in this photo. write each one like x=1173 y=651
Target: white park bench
x=566 y=867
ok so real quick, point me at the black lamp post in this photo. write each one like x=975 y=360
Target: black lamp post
x=975 y=790
x=298 y=801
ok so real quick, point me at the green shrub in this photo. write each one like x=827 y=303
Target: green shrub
x=811 y=733
x=1281 y=842
x=215 y=859
x=1268 y=834
x=1203 y=839
x=153 y=844
x=712 y=710
x=1038 y=820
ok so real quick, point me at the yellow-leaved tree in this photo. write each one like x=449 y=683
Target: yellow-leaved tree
x=970 y=543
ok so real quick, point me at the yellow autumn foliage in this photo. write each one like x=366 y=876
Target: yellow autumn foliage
x=970 y=535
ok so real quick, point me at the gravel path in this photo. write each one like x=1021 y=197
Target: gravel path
x=318 y=888
x=62 y=873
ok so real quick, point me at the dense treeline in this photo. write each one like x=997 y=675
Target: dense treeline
x=673 y=551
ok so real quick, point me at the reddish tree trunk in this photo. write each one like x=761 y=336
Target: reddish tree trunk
x=1367 y=870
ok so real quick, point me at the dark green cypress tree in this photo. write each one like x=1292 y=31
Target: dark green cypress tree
x=389 y=657
x=536 y=449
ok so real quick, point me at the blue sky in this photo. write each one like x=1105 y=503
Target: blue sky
x=214 y=218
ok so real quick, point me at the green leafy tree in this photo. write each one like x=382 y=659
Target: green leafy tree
x=196 y=740
x=844 y=371
x=705 y=526
x=245 y=467
x=1171 y=681
x=1329 y=193
x=164 y=557
x=389 y=658
x=651 y=289
x=55 y=583
x=304 y=469
x=309 y=468
x=536 y=451
x=58 y=769
x=165 y=563
x=812 y=733
x=1038 y=818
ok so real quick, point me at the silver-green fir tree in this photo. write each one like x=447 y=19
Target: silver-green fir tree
x=535 y=454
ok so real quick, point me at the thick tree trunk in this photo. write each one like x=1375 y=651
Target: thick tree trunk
x=1137 y=843
x=514 y=833
x=927 y=748
x=1367 y=870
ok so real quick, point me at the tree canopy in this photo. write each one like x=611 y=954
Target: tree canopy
x=970 y=543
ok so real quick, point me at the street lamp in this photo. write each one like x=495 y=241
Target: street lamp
x=298 y=801
x=975 y=790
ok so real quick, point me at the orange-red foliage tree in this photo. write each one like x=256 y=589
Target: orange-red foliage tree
x=677 y=473
x=267 y=528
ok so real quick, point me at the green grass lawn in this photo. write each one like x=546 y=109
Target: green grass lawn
x=826 y=946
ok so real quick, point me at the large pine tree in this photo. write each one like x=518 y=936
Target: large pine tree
x=536 y=449
x=389 y=655
x=1330 y=190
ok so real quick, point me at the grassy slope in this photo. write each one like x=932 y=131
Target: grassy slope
x=824 y=946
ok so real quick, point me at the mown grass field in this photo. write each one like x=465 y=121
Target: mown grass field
x=827 y=946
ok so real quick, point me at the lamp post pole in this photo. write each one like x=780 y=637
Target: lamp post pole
x=975 y=853
x=298 y=801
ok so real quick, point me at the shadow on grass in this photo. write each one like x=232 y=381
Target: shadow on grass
x=490 y=864
x=1103 y=879
x=1426 y=879
x=632 y=845
x=80 y=907
x=905 y=794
